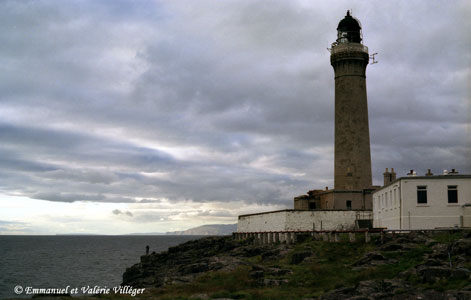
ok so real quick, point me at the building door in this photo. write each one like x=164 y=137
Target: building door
x=349 y=204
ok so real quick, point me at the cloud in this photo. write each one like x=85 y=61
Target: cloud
x=218 y=102
x=67 y=197
x=15 y=227
x=119 y=212
x=216 y=213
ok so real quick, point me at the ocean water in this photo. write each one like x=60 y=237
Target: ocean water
x=75 y=261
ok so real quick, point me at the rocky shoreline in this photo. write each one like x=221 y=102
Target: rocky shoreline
x=434 y=266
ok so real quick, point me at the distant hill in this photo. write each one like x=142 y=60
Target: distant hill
x=213 y=229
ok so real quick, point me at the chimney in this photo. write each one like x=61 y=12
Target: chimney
x=429 y=173
x=453 y=172
x=387 y=177
x=412 y=173
x=326 y=188
x=393 y=175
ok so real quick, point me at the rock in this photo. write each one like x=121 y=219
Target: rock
x=133 y=273
x=185 y=262
x=342 y=293
x=391 y=247
x=271 y=254
x=434 y=262
x=367 y=287
x=273 y=282
x=402 y=240
x=418 y=237
x=434 y=273
x=371 y=290
x=463 y=295
x=278 y=272
x=369 y=258
x=257 y=268
x=461 y=247
x=194 y=268
x=439 y=251
x=460 y=273
x=199 y=296
x=467 y=288
x=430 y=242
x=297 y=258
x=256 y=274
x=274 y=252
x=249 y=251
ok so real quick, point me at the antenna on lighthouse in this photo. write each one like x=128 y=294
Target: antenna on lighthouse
x=372 y=57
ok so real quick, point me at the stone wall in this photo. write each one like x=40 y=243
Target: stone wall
x=269 y=221
x=300 y=220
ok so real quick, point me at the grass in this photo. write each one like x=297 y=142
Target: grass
x=447 y=238
x=329 y=268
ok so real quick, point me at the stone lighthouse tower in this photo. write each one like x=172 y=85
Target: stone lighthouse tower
x=349 y=58
x=352 y=167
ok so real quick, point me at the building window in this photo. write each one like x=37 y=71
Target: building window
x=452 y=194
x=422 y=194
x=312 y=205
x=349 y=204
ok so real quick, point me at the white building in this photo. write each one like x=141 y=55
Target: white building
x=423 y=202
x=302 y=220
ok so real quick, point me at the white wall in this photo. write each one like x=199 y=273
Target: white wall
x=403 y=211
x=387 y=207
x=293 y=220
x=329 y=220
x=271 y=221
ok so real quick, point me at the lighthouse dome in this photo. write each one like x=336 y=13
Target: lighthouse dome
x=349 y=30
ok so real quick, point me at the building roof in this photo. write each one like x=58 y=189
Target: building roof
x=433 y=177
x=349 y=23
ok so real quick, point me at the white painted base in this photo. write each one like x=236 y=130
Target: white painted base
x=301 y=220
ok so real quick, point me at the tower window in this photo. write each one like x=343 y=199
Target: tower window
x=349 y=204
x=421 y=194
x=452 y=194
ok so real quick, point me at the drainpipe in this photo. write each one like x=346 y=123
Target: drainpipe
x=400 y=205
x=409 y=219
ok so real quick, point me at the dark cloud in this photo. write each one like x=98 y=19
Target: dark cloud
x=218 y=102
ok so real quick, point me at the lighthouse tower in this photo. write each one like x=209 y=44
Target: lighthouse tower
x=352 y=164
x=349 y=58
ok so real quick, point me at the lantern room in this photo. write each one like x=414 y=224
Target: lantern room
x=349 y=30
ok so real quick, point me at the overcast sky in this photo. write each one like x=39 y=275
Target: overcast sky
x=154 y=116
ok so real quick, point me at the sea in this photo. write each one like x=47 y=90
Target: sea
x=74 y=261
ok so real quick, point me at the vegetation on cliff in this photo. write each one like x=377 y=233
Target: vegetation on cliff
x=403 y=267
